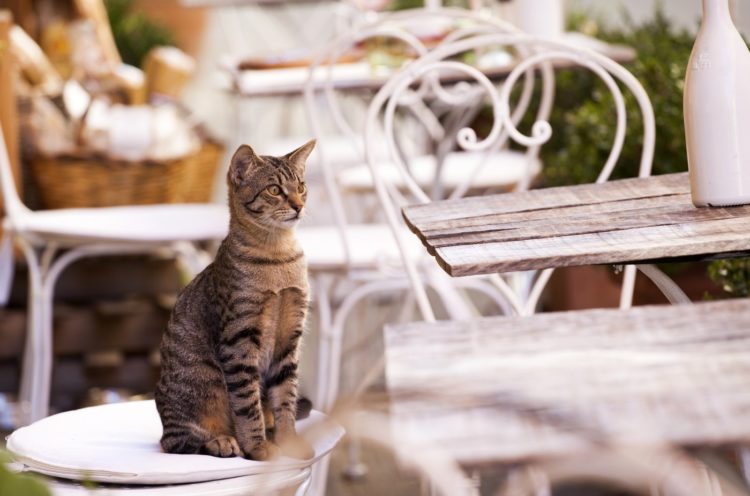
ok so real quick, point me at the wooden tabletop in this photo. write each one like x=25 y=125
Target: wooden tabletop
x=632 y=220
x=524 y=389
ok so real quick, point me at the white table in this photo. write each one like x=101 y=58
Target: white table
x=361 y=76
x=232 y=3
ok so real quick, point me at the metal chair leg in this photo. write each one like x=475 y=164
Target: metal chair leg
x=44 y=353
x=325 y=340
x=319 y=477
x=667 y=286
x=744 y=456
x=38 y=355
x=355 y=469
x=30 y=371
x=476 y=483
x=337 y=330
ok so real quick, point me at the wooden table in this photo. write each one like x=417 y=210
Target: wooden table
x=626 y=221
x=525 y=389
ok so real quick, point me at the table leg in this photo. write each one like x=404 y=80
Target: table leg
x=744 y=456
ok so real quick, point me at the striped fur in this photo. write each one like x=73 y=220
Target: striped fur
x=231 y=348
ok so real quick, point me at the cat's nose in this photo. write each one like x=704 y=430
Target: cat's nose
x=296 y=206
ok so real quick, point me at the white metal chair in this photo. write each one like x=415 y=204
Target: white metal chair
x=85 y=232
x=360 y=254
x=365 y=253
x=426 y=73
x=117 y=446
x=422 y=80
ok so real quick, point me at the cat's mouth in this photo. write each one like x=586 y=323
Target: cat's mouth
x=292 y=219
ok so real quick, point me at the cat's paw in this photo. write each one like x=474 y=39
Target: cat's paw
x=295 y=446
x=223 y=447
x=264 y=450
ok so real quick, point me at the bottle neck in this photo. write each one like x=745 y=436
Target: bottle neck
x=716 y=9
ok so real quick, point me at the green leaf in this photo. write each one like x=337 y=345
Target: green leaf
x=135 y=34
x=12 y=483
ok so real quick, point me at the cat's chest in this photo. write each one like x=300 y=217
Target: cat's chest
x=275 y=278
x=283 y=315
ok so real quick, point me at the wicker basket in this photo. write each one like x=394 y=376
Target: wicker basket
x=75 y=182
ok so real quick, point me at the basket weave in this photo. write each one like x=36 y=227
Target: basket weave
x=76 y=182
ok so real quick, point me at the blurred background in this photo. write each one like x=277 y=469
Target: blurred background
x=108 y=317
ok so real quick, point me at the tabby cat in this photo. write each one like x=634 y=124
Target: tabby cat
x=232 y=342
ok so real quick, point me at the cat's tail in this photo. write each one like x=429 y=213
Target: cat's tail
x=304 y=407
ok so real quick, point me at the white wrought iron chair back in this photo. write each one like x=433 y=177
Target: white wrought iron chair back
x=326 y=103
x=323 y=100
x=422 y=79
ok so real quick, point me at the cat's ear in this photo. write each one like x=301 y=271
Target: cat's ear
x=242 y=161
x=298 y=157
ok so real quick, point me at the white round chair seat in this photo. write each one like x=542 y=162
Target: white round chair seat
x=119 y=444
x=371 y=246
x=250 y=485
x=132 y=224
x=502 y=169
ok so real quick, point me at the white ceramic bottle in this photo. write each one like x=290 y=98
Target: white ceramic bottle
x=543 y=18
x=717 y=111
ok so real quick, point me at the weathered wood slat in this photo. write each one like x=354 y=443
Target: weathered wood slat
x=586 y=224
x=611 y=247
x=584 y=194
x=517 y=389
x=435 y=229
x=626 y=221
x=641 y=327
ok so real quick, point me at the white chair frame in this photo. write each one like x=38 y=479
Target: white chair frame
x=333 y=317
x=423 y=71
x=386 y=25
x=44 y=266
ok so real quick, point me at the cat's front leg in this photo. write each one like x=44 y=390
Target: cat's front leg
x=282 y=396
x=282 y=380
x=239 y=354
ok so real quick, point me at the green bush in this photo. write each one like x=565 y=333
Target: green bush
x=135 y=34
x=733 y=276
x=19 y=484
x=584 y=111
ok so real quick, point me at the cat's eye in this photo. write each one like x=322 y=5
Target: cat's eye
x=302 y=188
x=274 y=190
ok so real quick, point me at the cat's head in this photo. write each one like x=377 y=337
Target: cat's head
x=268 y=191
